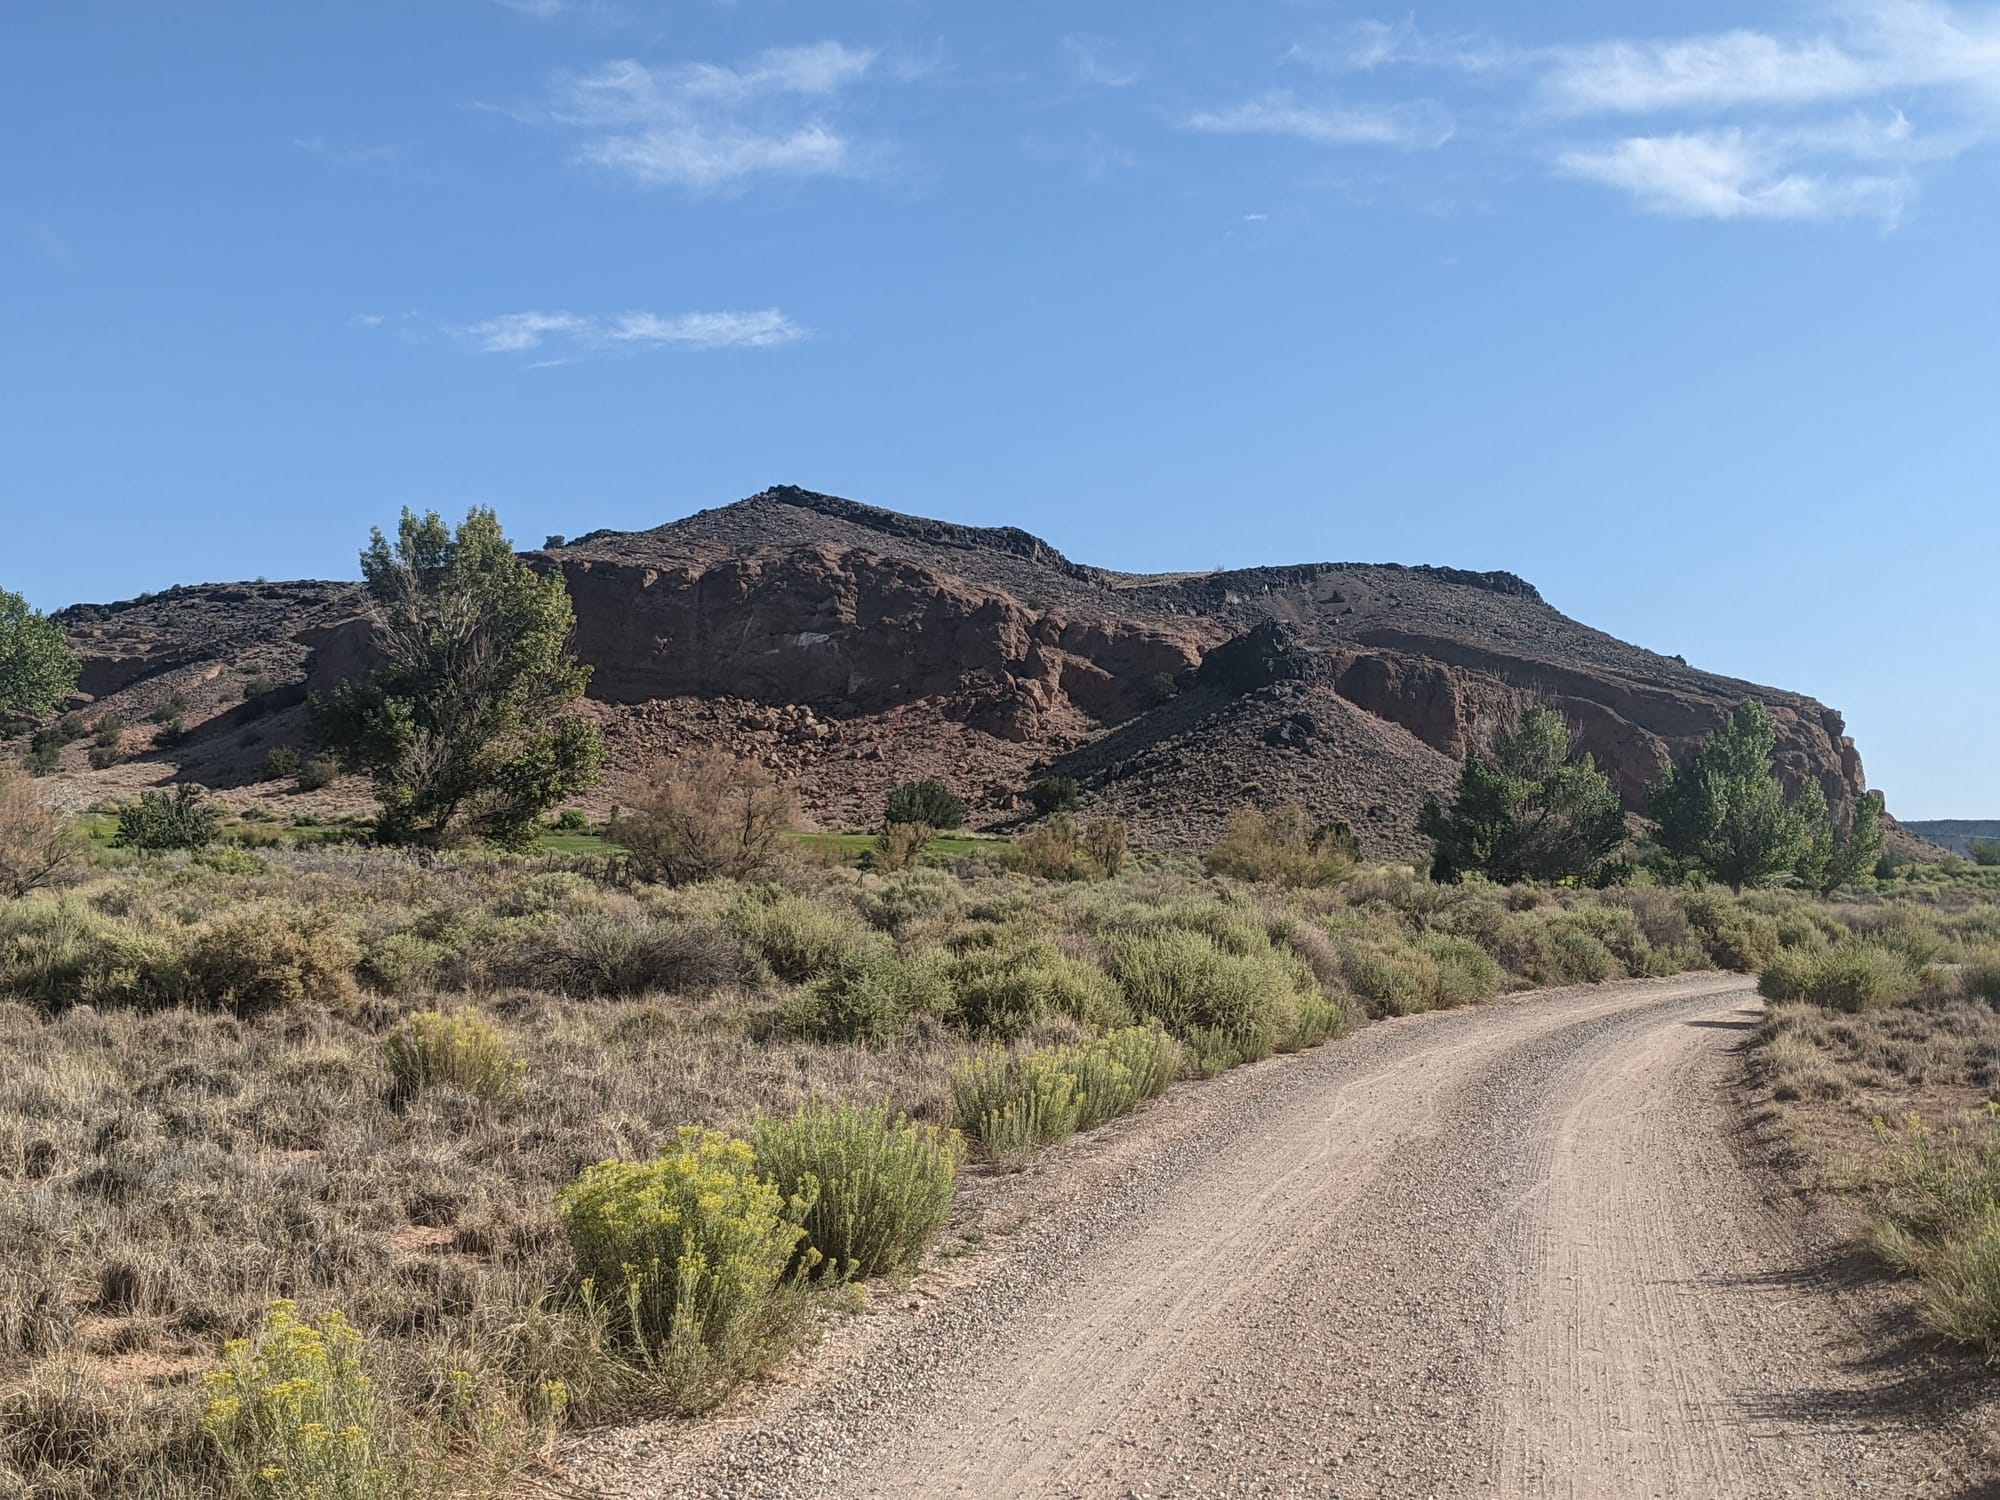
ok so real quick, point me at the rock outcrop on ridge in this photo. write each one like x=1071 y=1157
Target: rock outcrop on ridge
x=847 y=647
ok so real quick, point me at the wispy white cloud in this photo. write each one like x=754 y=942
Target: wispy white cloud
x=1416 y=125
x=705 y=126
x=1733 y=174
x=1878 y=47
x=1702 y=73
x=1091 y=59
x=393 y=161
x=565 y=336
x=1836 y=120
x=1368 y=46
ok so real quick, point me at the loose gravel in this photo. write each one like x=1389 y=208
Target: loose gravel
x=1517 y=1250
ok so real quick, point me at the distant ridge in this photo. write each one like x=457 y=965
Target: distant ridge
x=845 y=647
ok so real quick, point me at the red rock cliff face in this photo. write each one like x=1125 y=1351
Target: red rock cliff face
x=844 y=647
x=854 y=632
x=1456 y=697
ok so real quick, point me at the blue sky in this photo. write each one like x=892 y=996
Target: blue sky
x=1682 y=311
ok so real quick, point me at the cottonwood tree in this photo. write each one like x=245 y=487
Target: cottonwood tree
x=37 y=668
x=463 y=729
x=1535 y=811
x=1723 y=812
x=1845 y=842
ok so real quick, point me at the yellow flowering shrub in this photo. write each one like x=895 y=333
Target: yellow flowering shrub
x=687 y=1252
x=461 y=1048
x=292 y=1413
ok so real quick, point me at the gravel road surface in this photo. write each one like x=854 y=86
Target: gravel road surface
x=1525 y=1249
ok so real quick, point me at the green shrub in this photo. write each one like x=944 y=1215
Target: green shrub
x=1961 y=1292
x=1058 y=794
x=398 y=963
x=1121 y=1070
x=1860 y=976
x=43 y=757
x=1007 y=991
x=1466 y=972
x=798 y=937
x=62 y=953
x=1015 y=1105
x=181 y=819
x=900 y=846
x=107 y=732
x=1981 y=975
x=261 y=958
x=1852 y=976
x=928 y=801
x=685 y=1253
x=1391 y=980
x=1284 y=848
x=1318 y=1020
x=1788 y=975
x=460 y=1048
x=1576 y=955
x=869 y=996
x=879 y=1186
x=281 y=763
x=104 y=757
x=1732 y=937
x=572 y=820
x=627 y=953
x=912 y=897
x=1940 y=1218
x=293 y=1415
x=1229 y=1007
x=319 y=771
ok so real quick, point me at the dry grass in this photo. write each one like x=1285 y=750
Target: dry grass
x=202 y=1112
x=1893 y=1108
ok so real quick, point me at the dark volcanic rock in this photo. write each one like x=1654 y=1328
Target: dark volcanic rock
x=876 y=645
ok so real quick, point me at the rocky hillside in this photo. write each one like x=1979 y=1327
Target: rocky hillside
x=848 y=647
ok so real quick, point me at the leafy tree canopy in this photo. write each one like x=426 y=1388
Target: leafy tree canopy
x=1723 y=813
x=1535 y=811
x=1845 y=843
x=37 y=668
x=463 y=728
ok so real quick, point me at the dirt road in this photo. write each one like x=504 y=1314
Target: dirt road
x=1517 y=1251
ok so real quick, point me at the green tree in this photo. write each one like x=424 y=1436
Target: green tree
x=1723 y=812
x=1535 y=811
x=463 y=729
x=37 y=668
x=928 y=802
x=1843 y=845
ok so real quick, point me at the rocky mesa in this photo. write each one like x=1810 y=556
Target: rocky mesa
x=847 y=647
